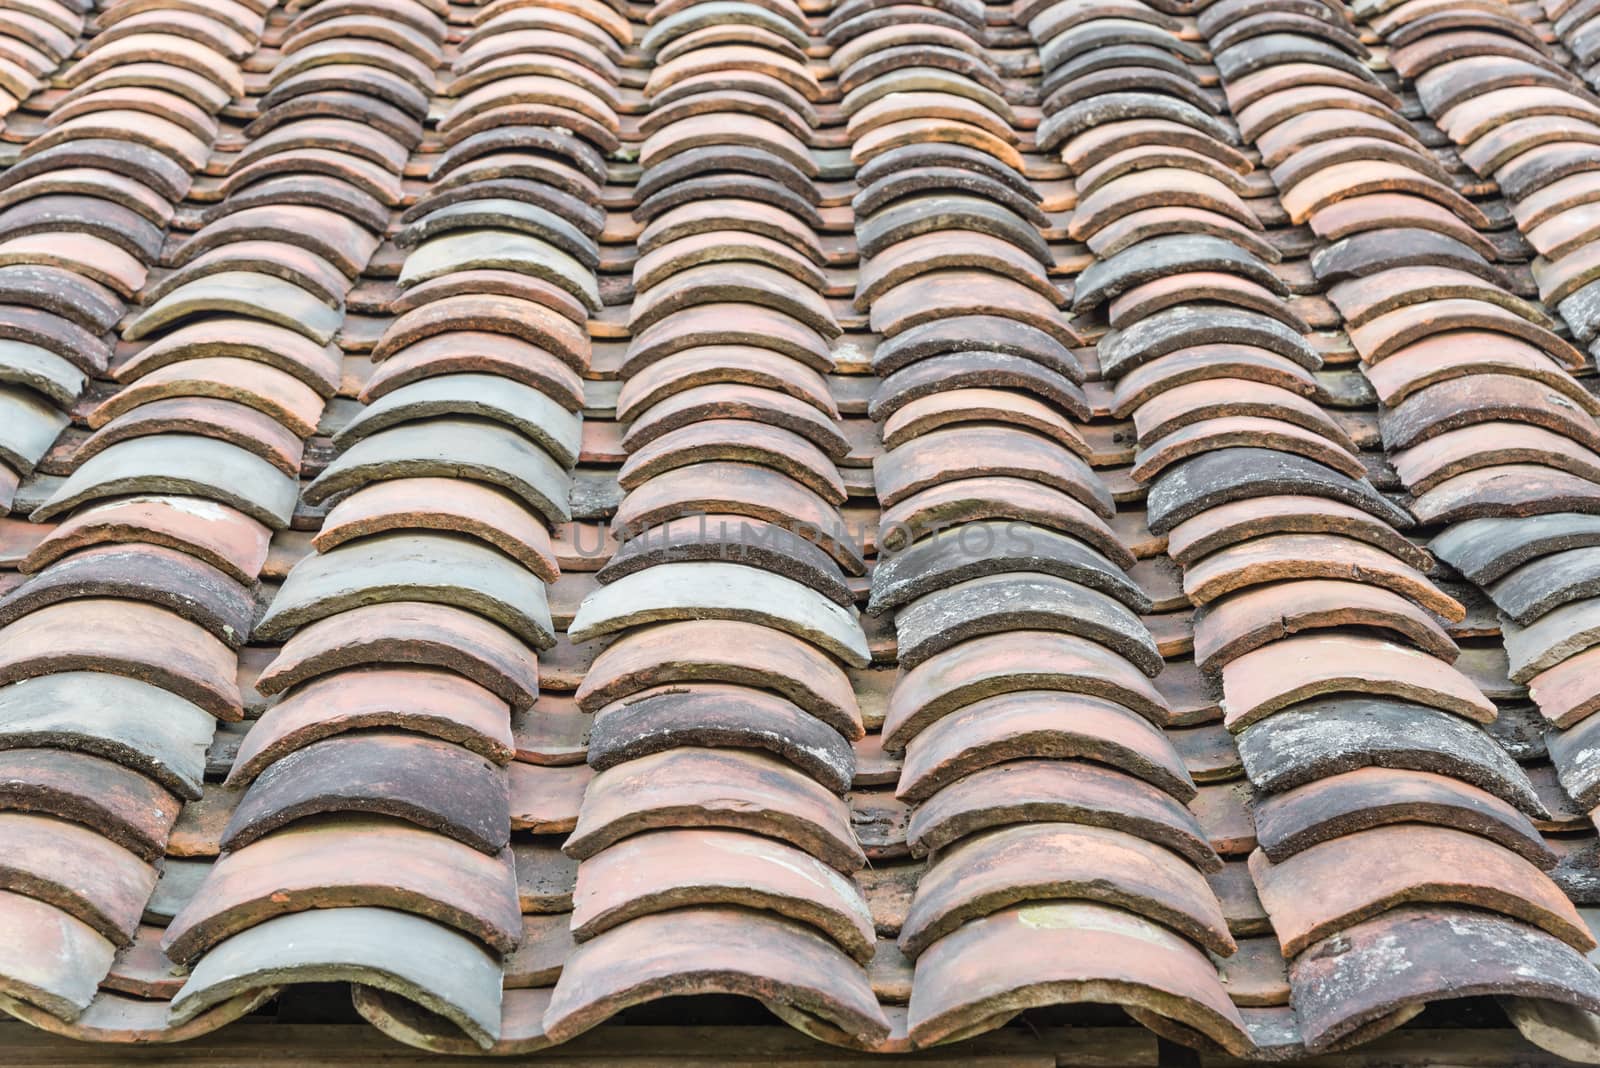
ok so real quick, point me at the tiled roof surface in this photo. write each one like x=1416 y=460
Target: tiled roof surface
x=916 y=513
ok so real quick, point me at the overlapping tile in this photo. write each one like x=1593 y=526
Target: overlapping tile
x=1448 y=418
x=379 y=382
x=722 y=714
x=120 y=644
x=1024 y=708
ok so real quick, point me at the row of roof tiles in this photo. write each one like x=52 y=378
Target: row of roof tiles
x=1045 y=738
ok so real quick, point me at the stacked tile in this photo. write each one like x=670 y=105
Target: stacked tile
x=117 y=655
x=38 y=36
x=1525 y=443
x=1393 y=828
x=715 y=848
x=475 y=427
x=1063 y=862
x=1214 y=369
x=1574 y=23
x=84 y=209
x=338 y=840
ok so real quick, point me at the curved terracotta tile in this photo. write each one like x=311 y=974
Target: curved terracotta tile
x=1392 y=331
x=936 y=295
x=130 y=809
x=1212 y=286
x=956 y=453
x=945 y=249
x=738 y=489
x=718 y=324
x=477 y=351
x=748 y=283
x=1185 y=326
x=1108 y=107
x=1019 y=601
x=989 y=548
x=497 y=249
x=1550 y=639
x=1290 y=822
x=452 y=505
x=709 y=714
x=76 y=869
x=671 y=869
x=344 y=863
x=1156 y=259
x=734 y=401
x=736 y=440
x=974 y=405
x=723 y=363
x=1462 y=402
x=1419 y=864
x=1243 y=622
x=411 y=568
x=438 y=704
x=164 y=577
x=1230 y=475
x=1364 y=299
x=1566 y=694
x=1383 y=211
x=712 y=950
x=416 y=958
x=269 y=390
x=739 y=789
x=518 y=318
x=1034 y=724
x=936 y=373
x=700 y=537
x=1453 y=453
x=1366 y=253
x=521 y=1022
x=1276 y=557
x=229 y=421
x=499 y=213
x=1156 y=455
x=1421 y=954
x=723 y=651
x=975 y=332
x=435 y=784
x=1044 y=861
x=414 y=633
x=997 y=497
x=115 y=1017
x=1004 y=663
x=460 y=269
x=1541 y=585
x=452 y=448
x=1333 y=735
x=1184 y=405
x=1025 y=791
x=1504 y=490
x=139 y=726
x=727 y=590
x=1256 y=685
x=186 y=464
x=124 y=638
x=478 y=396
x=1059 y=952
x=48 y=958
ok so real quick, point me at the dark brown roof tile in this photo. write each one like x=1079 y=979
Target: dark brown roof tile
x=709 y=714
x=1441 y=946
